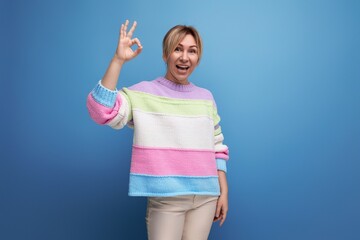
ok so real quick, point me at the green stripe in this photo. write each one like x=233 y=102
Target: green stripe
x=216 y=117
x=170 y=106
x=128 y=100
x=217 y=131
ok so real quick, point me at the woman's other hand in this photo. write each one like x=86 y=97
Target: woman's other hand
x=222 y=206
x=221 y=209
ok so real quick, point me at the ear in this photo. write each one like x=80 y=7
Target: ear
x=164 y=58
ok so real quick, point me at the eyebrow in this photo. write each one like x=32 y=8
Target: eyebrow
x=189 y=46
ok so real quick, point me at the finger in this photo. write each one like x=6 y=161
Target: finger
x=122 y=31
x=218 y=209
x=126 y=25
x=132 y=29
x=136 y=41
x=221 y=222
x=137 y=52
x=139 y=49
x=222 y=219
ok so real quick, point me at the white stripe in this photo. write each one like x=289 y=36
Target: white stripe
x=122 y=117
x=154 y=130
x=220 y=147
x=219 y=138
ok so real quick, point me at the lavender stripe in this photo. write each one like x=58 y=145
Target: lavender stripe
x=165 y=88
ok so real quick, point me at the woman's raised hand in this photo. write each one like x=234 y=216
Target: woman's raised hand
x=124 y=52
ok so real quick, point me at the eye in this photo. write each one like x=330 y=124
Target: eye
x=177 y=49
x=193 y=51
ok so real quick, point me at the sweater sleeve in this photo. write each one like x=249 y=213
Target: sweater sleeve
x=221 y=150
x=109 y=107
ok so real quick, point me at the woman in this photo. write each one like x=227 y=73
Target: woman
x=178 y=158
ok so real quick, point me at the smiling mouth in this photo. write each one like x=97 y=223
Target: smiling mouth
x=182 y=67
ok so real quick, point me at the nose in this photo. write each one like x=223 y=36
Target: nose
x=184 y=56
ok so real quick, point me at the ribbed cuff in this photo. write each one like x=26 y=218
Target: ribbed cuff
x=221 y=164
x=104 y=96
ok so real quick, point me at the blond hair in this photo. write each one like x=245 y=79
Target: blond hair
x=175 y=35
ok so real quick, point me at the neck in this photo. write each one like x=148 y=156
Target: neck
x=171 y=78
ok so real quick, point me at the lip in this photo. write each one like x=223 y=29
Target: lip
x=182 y=67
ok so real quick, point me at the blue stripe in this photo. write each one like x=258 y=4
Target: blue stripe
x=156 y=186
x=221 y=164
x=104 y=96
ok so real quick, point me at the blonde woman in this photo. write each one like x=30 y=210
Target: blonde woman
x=178 y=156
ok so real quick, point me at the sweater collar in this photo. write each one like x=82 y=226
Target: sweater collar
x=175 y=86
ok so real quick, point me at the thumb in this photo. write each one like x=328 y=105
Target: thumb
x=138 y=50
x=136 y=41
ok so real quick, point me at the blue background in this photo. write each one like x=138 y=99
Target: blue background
x=286 y=78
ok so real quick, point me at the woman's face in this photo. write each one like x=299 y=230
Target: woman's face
x=182 y=61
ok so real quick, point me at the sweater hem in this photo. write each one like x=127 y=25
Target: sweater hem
x=147 y=194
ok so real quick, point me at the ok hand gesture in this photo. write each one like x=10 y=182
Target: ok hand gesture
x=124 y=52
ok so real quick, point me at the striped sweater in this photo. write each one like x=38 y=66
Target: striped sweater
x=177 y=146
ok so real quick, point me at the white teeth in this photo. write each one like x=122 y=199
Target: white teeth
x=183 y=67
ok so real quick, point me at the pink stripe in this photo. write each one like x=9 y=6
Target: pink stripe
x=223 y=155
x=163 y=161
x=101 y=114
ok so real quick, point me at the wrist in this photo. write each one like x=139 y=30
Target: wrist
x=117 y=60
x=224 y=192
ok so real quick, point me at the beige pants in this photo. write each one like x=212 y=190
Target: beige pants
x=180 y=218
